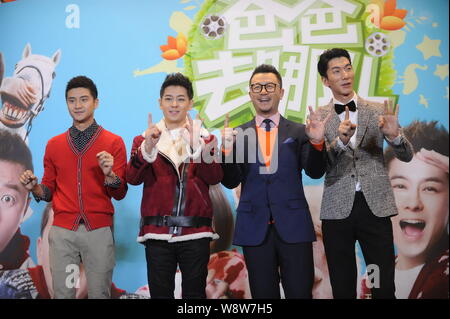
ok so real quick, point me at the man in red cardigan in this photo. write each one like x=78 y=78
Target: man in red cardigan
x=171 y=159
x=83 y=168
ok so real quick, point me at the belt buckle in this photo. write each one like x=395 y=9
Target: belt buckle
x=165 y=220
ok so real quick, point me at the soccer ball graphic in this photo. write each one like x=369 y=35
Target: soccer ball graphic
x=213 y=27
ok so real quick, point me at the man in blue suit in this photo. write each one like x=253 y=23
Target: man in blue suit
x=273 y=222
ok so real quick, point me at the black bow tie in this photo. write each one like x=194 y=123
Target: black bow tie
x=339 y=108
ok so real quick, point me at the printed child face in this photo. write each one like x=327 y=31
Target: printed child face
x=14 y=201
x=175 y=104
x=421 y=195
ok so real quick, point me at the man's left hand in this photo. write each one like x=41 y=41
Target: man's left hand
x=315 y=127
x=191 y=131
x=388 y=122
x=106 y=162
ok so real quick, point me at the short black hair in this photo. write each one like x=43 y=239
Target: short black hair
x=13 y=149
x=177 y=79
x=82 y=81
x=421 y=134
x=266 y=68
x=328 y=55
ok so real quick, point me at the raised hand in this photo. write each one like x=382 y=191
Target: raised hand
x=28 y=180
x=20 y=89
x=106 y=163
x=191 y=132
x=388 y=122
x=434 y=158
x=315 y=127
x=346 y=128
x=228 y=134
x=152 y=135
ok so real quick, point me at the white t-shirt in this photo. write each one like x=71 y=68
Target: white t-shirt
x=404 y=281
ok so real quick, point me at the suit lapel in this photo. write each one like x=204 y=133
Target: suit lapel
x=363 y=119
x=283 y=133
x=332 y=126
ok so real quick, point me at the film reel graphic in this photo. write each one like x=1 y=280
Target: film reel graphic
x=377 y=44
x=213 y=27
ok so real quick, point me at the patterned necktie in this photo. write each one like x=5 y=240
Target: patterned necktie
x=339 y=108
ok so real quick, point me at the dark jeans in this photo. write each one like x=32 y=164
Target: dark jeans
x=275 y=259
x=376 y=240
x=192 y=256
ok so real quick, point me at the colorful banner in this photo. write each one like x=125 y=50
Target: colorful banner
x=399 y=51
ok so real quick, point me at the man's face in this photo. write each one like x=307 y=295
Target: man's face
x=421 y=195
x=14 y=201
x=266 y=103
x=175 y=104
x=340 y=76
x=43 y=260
x=81 y=105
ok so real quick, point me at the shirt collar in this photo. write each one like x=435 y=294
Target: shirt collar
x=275 y=118
x=74 y=132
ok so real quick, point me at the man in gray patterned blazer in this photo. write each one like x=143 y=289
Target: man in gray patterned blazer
x=358 y=200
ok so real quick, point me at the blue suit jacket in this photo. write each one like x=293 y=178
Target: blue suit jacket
x=278 y=191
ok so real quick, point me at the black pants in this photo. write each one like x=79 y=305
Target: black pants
x=192 y=256
x=275 y=259
x=376 y=240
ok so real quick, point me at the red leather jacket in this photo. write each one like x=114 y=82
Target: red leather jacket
x=172 y=187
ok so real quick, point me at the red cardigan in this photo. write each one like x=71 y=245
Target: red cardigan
x=77 y=182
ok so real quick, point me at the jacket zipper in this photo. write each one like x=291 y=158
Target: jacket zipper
x=175 y=229
x=180 y=181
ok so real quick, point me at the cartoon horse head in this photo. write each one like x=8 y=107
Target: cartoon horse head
x=35 y=71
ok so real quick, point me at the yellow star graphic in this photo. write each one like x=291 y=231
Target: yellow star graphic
x=441 y=71
x=423 y=100
x=429 y=47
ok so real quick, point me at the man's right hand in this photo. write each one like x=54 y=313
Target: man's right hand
x=228 y=134
x=346 y=128
x=28 y=180
x=152 y=135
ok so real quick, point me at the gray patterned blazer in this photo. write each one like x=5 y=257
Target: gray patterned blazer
x=365 y=162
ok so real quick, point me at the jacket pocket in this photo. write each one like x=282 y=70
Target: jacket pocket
x=290 y=140
x=245 y=207
x=296 y=203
